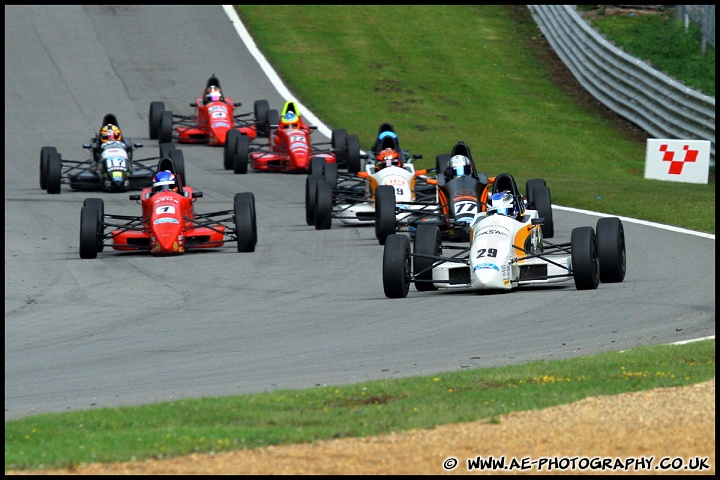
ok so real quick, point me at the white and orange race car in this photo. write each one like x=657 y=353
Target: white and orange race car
x=506 y=250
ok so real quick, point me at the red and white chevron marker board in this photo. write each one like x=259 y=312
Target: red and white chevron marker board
x=677 y=160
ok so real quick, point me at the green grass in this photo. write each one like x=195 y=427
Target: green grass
x=438 y=80
x=297 y=416
x=648 y=37
x=480 y=80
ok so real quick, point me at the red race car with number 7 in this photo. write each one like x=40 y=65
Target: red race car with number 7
x=169 y=224
x=213 y=119
x=289 y=147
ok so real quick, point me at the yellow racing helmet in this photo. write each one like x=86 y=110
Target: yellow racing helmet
x=110 y=132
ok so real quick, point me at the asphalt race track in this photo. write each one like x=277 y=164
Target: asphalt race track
x=307 y=307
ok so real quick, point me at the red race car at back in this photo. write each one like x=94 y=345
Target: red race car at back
x=169 y=224
x=289 y=147
x=213 y=119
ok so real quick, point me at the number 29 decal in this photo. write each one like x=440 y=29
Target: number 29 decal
x=487 y=252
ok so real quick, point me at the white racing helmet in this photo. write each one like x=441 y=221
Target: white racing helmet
x=459 y=166
x=503 y=203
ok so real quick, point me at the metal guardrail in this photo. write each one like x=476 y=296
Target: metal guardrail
x=661 y=106
x=701 y=15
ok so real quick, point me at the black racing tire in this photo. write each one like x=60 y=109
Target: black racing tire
x=331 y=174
x=254 y=219
x=242 y=155
x=260 y=109
x=310 y=188
x=178 y=158
x=166 y=148
x=166 y=127
x=441 y=163
x=273 y=118
x=385 y=220
x=529 y=186
x=323 y=205
x=154 y=118
x=245 y=225
x=427 y=242
x=396 y=266
x=99 y=206
x=339 y=145
x=584 y=257
x=352 y=146
x=44 y=153
x=54 y=173
x=229 y=148
x=611 y=249
x=88 y=232
x=317 y=166
x=543 y=205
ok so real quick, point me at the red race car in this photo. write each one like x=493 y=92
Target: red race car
x=213 y=119
x=169 y=224
x=289 y=148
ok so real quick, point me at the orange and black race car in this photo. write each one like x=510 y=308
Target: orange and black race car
x=462 y=192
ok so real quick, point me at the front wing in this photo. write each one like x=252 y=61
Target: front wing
x=553 y=265
x=85 y=176
x=208 y=230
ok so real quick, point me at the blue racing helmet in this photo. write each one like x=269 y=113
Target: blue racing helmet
x=290 y=119
x=503 y=203
x=164 y=181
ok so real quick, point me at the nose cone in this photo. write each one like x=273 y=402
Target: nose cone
x=487 y=276
x=118 y=178
x=218 y=136
x=168 y=243
x=301 y=159
x=166 y=237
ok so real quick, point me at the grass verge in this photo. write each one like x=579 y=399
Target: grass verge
x=490 y=80
x=296 y=416
x=655 y=36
